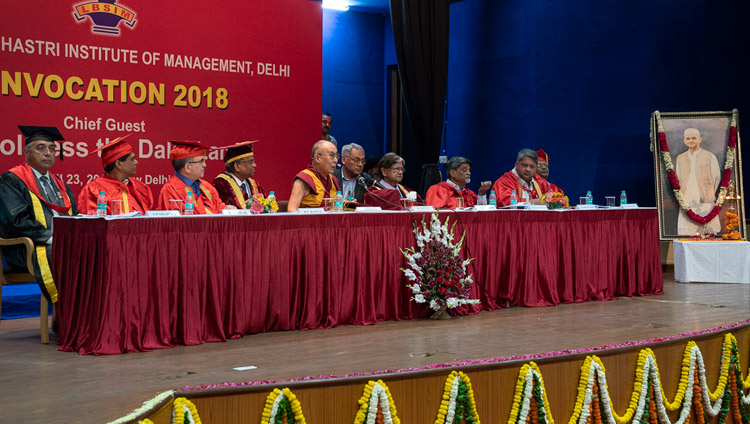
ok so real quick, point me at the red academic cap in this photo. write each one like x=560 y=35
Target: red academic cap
x=33 y=133
x=237 y=151
x=114 y=150
x=185 y=149
x=542 y=156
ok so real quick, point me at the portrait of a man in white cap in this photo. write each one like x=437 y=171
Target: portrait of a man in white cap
x=699 y=175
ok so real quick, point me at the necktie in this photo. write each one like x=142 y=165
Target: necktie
x=246 y=186
x=49 y=191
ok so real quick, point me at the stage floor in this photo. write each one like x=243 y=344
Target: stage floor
x=40 y=384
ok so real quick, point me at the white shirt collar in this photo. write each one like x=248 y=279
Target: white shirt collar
x=522 y=182
x=386 y=185
x=39 y=174
x=454 y=185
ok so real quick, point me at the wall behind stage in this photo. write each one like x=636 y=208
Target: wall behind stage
x=257 y=76
x=580 y=79
x=354 y=77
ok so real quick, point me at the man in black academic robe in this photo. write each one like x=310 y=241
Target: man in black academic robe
x=29 y=197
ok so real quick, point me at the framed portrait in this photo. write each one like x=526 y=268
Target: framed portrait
x=698 y=174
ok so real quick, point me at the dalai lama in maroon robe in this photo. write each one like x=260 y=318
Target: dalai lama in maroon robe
x=444 y=195
x=317 y=182
x=529 y=186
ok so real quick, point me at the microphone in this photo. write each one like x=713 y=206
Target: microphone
x=361 y=181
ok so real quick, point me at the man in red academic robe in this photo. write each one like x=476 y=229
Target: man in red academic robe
x=118 y=182
x=317 y=182
x=189 y=162
x=542 y=169
x=444 y=194
x=30 y=196
x=236 y=185
x=529 y=186
x=388 y=193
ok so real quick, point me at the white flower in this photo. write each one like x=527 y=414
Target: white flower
x=420 y=299
x=433 y=304
x=417 y=256
x=415 y=288
x=452 y=302
x=410 y=275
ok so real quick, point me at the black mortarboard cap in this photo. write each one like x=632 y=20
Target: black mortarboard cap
x=33 y=133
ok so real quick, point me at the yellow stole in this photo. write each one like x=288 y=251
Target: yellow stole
x=207 y=211
x=41 y=251
x=236 y=189
x=315 y=200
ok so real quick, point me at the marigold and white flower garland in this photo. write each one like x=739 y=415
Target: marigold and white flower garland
x=447 y=411
x=273 y=401
x=376 y=393
x=437 y=271
x=674 y=182
x=147 y=406
x=184 y=412
x=519 y=412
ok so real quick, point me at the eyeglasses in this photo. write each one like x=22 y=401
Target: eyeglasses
x=356 y=161
x=331 y=155
x=540 y=166
x=246 y=162
x=202 y=161
x=397 y=170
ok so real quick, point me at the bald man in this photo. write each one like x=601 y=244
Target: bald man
x=317 y=182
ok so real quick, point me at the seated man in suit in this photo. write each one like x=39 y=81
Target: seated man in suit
x=189 y=163
x=236 y=185
x=119 y=163
x=30 y=196
x=317 y=182
x=444 y=194
x=352 y=161
x=388 y=192
x=529 y=186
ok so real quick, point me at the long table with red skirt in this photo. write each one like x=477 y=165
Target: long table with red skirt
x=137 y=284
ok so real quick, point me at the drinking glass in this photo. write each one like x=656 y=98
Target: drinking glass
x=116 y=206
x=327 y=204
x=610 y=201
x=582 y=200
x=459 y=202
x=177 y=205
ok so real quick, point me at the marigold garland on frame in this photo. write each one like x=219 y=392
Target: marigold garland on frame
x=675 y=183
x=376 y=394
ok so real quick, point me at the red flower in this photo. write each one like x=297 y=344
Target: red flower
x=663 y=142
x=443 y=291
x=725 y=178
x=673 y=180
x=732 y=137
x=704 y=219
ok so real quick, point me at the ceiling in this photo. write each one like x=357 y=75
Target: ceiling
x=379 y=6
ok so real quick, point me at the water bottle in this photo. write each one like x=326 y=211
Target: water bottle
x=338 y=202
x=189 y=202
x=513 y=198
x=271 y=199
x=589 y=198
x=493 y=198
x=623 y=198
x=101 y=204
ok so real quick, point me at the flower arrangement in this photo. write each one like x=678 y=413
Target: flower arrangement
x=282 y=405
x=458 y=401
x=376 y=394
x=555 y=200
x=730 y=229
x=260 y=204
x=436 y=271
x=675 y=183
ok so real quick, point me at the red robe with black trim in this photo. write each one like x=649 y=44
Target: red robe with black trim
x=443 y=195
x=509 y=182
x=227 y=195
x=139 y=197
x=208 y=202
x=388 y=199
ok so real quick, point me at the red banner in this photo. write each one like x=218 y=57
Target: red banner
x=218 y=73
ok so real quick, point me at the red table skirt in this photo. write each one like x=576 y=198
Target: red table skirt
x=132 y=285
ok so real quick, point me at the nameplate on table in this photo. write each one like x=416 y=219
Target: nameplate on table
x=485 y=208
x=586 y=207
x=237 y=212
x=368 y=209
x=162 y=213
x=537 y=207
x=629 y=206
x=422 y=208
x=123 y=215
x=311 y=211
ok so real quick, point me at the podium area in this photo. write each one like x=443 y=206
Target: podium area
x=133 y=285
